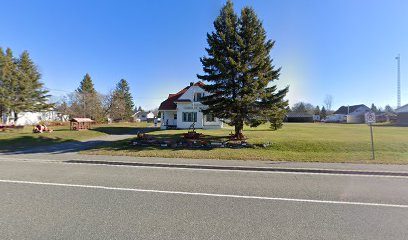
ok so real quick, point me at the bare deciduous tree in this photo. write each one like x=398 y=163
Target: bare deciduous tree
x=328 y=101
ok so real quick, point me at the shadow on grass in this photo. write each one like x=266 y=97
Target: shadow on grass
x=56 y=145
x=389 y=125
x=124 y=145
x=114 y=130
x=24 y=143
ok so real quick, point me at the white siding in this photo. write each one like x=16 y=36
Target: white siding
x=336 y=118
x=168 y=119
x=188 y=107
x=33 y=118
x=150 y=115
x=189 y=94
x=195 y=107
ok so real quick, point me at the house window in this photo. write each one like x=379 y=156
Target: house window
x=189 y=117
x=175 y=116
x=198 y=97
x=209 y=118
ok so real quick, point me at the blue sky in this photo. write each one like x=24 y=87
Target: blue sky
x=345 y=48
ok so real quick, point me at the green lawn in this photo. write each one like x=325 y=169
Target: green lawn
x=20 y=139
x=294 y=142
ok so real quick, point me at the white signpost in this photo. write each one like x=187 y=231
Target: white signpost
x=370 y=119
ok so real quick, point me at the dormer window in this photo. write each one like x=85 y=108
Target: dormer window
x=198 y=97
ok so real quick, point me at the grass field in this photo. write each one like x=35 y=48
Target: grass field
x=24 y=138
x=294 y=142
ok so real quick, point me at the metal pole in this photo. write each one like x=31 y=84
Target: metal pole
x=398 y=58
x=372 y=141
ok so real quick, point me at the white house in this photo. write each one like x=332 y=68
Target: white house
x=142 y=116
x=33 y=118
x=183 y=109
x=349 y=114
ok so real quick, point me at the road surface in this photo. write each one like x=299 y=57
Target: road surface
x=59 y=200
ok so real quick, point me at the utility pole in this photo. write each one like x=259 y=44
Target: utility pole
x=398 y=58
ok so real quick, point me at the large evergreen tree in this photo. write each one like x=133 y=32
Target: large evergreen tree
x=86 y=85
x=20 y=86
x=122 y=101
x=32 y=96
x=239 y=70
x=88 y=100
x=2 y=84
x=317 y=110
x=323 y=113
x=8 y=80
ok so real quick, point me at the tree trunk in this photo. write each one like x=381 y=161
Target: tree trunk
x=15 y=117
x=238 y=130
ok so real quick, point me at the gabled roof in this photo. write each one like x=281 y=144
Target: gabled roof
x=81 y=120
x=402 y=109
x=348 y=109
x=169 y=103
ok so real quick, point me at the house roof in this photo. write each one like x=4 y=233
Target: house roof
x=183 y=100
x=81 y=120
x=298 y=114
x=402 y=109
x=170 y=102
x=348 y=109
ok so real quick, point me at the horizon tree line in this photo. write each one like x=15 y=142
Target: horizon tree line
x=86 y=102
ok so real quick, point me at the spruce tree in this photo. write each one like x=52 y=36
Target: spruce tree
x=20 y=86
x=123 y=100
x=323 y=113
x=2 y=86
x=240 y=71
x=8 y=80
x=317 y=111
x=89 y=99
x=32 y=96
x=374 y=108
x=277 y=116
x=86 y=85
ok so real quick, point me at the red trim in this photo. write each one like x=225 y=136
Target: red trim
x=169 y=103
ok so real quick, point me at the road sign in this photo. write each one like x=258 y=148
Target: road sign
x=370 y=117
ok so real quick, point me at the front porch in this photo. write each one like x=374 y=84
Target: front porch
x=168 y=120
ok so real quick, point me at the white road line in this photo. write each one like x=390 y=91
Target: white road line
x=217 y=170
x=205 y=194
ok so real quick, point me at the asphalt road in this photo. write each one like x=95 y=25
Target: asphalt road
x=55 y=200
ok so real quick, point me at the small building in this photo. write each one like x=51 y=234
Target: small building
x=33 y=118
x=299 y=117
x=402 y=115
x=349 y=114
x=184 y=110
x=78 y=124
x=142 y=116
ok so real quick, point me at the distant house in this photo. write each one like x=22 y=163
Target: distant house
x=183 y=109
x=299 y=117
x=33 y=118
x=402 y=115
x=349 y=114
x=142 y=116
